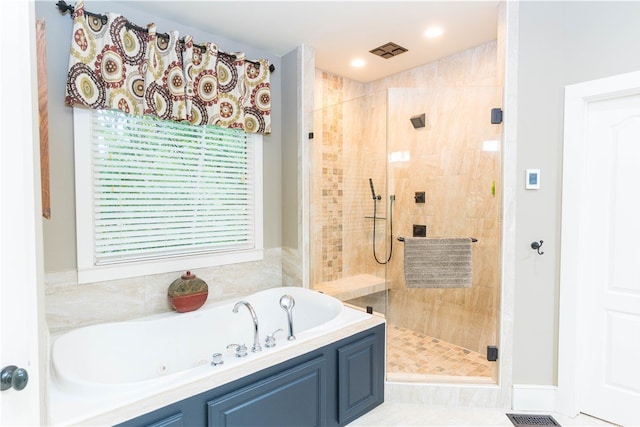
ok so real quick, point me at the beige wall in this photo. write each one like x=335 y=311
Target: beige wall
x=580 y=41
x=447 y=162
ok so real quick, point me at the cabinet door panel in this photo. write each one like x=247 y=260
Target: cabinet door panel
x=295 y=397
x=360 y=379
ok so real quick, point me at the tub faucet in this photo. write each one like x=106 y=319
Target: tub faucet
x=256 y=335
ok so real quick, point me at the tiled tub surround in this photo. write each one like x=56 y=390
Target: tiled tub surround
x=70 y=305
x=84 y=395
x=462 y=184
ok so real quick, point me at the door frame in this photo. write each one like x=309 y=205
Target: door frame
x=571 y=335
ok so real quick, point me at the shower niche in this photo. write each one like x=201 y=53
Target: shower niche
x=376 y=177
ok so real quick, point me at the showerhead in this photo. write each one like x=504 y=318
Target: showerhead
x=373 y=192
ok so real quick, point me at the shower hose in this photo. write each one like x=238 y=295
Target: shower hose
x=375 y=206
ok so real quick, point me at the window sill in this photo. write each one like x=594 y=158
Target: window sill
x=103 y=273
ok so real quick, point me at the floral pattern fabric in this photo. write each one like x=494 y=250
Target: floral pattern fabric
x=257 y=101
x=231 y=89
x=202 y=82
x=164 y=79
x=115 y=64
x=106 y=64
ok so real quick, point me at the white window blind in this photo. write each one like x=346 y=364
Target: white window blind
x=162 y=189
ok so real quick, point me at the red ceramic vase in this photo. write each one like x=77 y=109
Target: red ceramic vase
x=188 y=293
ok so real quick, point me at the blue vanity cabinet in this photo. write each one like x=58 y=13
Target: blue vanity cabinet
x=172 y=421
x=330 y=386
x=296 y=397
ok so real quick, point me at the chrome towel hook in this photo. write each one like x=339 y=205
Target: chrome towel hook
x=537 y=246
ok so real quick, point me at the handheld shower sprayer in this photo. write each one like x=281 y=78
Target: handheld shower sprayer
x=373 y=192
x=392 y=199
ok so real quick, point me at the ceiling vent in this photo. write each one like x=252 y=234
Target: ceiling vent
x=388 y=50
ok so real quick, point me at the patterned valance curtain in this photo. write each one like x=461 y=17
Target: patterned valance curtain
x=116 y=64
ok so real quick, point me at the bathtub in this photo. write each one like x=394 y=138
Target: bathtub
x=111 y=372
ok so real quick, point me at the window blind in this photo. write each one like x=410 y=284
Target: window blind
x=164 y=188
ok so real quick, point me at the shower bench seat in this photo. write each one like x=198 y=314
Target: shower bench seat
x=352 y=287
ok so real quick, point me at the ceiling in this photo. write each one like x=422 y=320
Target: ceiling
x=341 y=31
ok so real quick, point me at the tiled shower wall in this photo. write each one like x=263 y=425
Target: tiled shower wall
x=461 y=181
x=348 y=148
x=332 y=174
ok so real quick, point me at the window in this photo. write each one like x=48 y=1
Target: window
x=155 y=196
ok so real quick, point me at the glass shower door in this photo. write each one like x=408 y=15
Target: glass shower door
x=349 y=166
x=436 y=333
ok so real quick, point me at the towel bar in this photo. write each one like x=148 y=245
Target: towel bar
x=401 y=239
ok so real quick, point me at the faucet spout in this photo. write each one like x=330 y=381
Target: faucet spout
x=256 y=334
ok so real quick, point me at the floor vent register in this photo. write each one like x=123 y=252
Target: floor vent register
x=527 y=420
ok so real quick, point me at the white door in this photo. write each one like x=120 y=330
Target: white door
x=22 y=329
x=606 y=254
x=611 y=310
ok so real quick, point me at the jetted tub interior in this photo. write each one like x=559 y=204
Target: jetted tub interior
x=150 y=350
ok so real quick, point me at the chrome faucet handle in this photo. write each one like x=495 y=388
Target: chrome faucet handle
x=241 y=349
x=270 y=340
x=216 y=359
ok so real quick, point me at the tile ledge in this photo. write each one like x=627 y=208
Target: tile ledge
x=352 y=287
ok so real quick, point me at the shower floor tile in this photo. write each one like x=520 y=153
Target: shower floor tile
x=412 y=353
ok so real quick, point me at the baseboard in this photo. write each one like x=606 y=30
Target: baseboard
x=531 y=397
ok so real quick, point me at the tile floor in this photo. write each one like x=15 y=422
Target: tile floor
x=408 y=414
x=410 y=352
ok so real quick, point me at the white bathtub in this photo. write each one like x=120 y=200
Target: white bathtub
x=101 y=368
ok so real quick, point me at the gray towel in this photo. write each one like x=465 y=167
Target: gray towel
x=437 y=263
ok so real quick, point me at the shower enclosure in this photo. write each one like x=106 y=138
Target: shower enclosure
x=365 y=147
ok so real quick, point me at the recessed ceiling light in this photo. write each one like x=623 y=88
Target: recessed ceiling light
x=433 y=32
x=358 y=63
